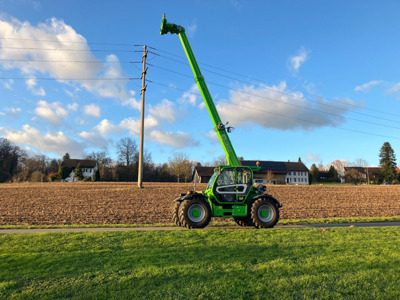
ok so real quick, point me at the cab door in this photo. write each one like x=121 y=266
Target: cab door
x=233 y=184
x=244 y=181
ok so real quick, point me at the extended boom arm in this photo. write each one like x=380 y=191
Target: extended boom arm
x=219 y=127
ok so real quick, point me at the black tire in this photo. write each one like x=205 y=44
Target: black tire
x=175 y=213
x=244 y=221
x=194 y=213
x=264 y=213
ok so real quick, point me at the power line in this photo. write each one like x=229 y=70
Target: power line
x=261 y=81
x=68 y=49
x=68 y=42
x=69 y=61
x=72 y=79
x=282 y=115
x=291 y=104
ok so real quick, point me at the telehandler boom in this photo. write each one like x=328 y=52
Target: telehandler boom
x=230 y=191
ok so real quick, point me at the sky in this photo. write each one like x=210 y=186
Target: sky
x=317 y=80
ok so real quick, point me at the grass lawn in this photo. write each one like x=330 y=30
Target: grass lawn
x=355 y=263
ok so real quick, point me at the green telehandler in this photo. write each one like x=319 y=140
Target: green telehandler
x=230 y=191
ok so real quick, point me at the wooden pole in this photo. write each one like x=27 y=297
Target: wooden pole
x=140 y=175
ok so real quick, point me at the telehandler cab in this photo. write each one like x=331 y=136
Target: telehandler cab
x=230 y=191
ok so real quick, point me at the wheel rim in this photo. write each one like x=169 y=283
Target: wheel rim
x=265 y=213
x=196 y=213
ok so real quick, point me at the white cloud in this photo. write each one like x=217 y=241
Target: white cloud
x=87 y=135
x=367 y=86
x=165 y=110
x=55 y=142
x=11 y=112
x=15 y=111
x=31 y=85
x=312 y=157
x=295 y=62
x=395 y=88
x=92 y=110
x=7 y=83
x=191 y=29
x=190 y=96
x=93 y=139
x=74 y=106
x=105 y=127
x=278 y=108
x=55 y=34
x=177 y=140
x=212 y=136
x=52 y=112
x=72 y=94
x=132 y=101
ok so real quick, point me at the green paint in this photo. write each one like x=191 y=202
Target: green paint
x=234 y=200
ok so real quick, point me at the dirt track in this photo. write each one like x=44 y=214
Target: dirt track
x=124 y=203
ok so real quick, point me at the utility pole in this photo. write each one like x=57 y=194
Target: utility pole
x=140 y=175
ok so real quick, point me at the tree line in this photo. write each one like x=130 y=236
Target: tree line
x=334 y=172
x=17 y=166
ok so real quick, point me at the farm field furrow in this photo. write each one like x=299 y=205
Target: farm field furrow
x=124 y=203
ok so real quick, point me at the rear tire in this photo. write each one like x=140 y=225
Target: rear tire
x=194 y=213
x=244 y=221
x=175 y=213
x=264 y=213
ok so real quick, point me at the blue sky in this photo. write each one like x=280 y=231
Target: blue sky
x=312 y=79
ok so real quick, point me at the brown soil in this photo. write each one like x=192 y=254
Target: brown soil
x=124 y=203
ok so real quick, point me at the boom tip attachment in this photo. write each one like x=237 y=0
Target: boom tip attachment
x=169 y=27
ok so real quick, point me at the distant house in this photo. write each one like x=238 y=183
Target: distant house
x=272 y=172
x=324 y=176
x=202 y=174
x=89 y=168
x=366 y=173
x=279 y=172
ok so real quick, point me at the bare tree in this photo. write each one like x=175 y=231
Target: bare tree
x=339 y=165
x=359 y=162
x=220 y=160
x=127 y=150
x=180 y=166
x=354 y=176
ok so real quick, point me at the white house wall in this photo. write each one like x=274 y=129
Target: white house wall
x=296 y=177
x=86 y=172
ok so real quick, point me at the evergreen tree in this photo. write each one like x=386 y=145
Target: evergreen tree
x=97 y=175
x=314 y=172
x=66 y=156
x=78 y=172
x=387 y=162
x=333 y=174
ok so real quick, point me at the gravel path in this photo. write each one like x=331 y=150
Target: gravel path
x=17 y=231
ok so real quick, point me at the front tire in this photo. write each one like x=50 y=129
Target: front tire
x=194 y=213
x=264 y=213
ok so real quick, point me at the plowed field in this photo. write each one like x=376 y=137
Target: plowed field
x=124 y=203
